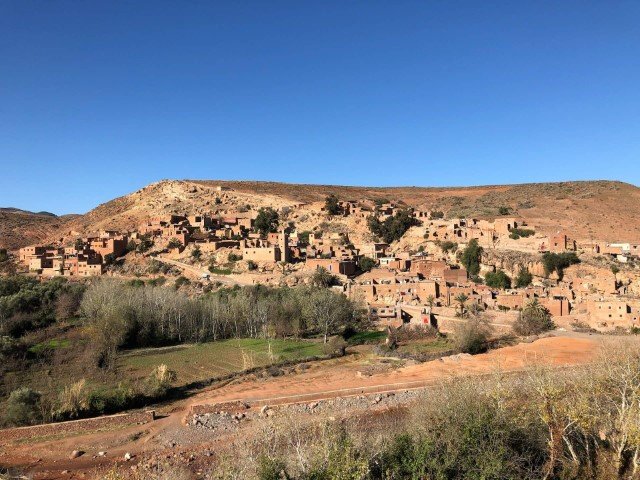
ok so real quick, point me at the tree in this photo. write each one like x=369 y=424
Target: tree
x=323 y=278
x=328 y=311
x=303 y=237
x=4 y=256
x=534 y=319
x=79 y=244
x=332 y=205
x=366 y=264
x=393 y=227
x=504 y=210
x=267 y=221
x=497 y=279
x=471 y=256
x=145 y=244
x=557 y=262
x=524 y=278
x=462 y=301
x=436 y=215
x=448 y=246
x=196 y=253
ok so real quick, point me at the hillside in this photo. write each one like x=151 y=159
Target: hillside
x=20 y=227
x=604 y=210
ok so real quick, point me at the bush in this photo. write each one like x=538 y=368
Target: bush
x=251 y=265
x=472 y=336
x=516 y=233
x=534 y=320
x=504 y=210
x=335 y=346
x=4 y=256
x=174 y=243
x=144 y=245
x=436 y=215
x=74 y=400
x=180 y=281
x=196 y=253
x=234 y=257
x=159 y=381
x=23 y=407
x=323 y=278
x=448 y=246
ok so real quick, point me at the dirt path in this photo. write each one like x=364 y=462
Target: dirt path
x=345 y=376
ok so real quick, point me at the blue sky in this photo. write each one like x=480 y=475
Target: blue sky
x=98 y=99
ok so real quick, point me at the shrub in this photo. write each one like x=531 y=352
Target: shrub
x=174 y=243
x=180 y=281
x=74 y=400
x=160 y=380
x=4 y=256
x=196 y=253
x=516 y=233
x=234 y=257
x=472 y=336
x=534 y=319
x=436 y=215
x=615 y=269
x=335 y=346
x=323 y=278
x=504 y=210
x=23 y=407
x=251 y=265
x=144 y=245
x=448 y=246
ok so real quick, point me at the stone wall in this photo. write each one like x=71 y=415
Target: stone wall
x=75 y=427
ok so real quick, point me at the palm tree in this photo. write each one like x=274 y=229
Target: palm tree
x=431 y=301
x=462 y=300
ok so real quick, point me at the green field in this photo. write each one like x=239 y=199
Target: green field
x=213 y=359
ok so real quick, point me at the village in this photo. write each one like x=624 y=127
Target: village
x=409 y=266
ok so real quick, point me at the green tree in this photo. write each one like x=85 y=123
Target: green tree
x=497 y=279
x=471 y=256
x=174 y=243
x=557 y=262
x=323 y=278
x=534 y=319
x=462 y=301
x=4 y=256
x=393 y=227
x=524 y=278
x=196 y=253
x=267 y=221
x=332 y=205
x=366 y=264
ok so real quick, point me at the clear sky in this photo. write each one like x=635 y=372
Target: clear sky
x=99 y=98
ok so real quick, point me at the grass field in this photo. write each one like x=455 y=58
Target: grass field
x=212 y=359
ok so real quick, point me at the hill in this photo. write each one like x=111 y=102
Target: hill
x=20 y=227
x=603 y=210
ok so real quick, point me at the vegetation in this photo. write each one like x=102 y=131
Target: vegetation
x=448 y=246
x=504 y=210
x=471 y=256
x=366 y=264
x=524 y=278
x=196 y=253
x=234 y=257
x=174 y=243
x=323 y=278
x=472 y=336
x=332 y=205
x=436 y=215
x=4 y=256
x=557 y=262
x=303 y=237
x=497 y=279
x=517 y=233
x=267 y=221
x=533 y=320
x=251 y=265
x=144 y=245
x=569 y=425
x=393 y=227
